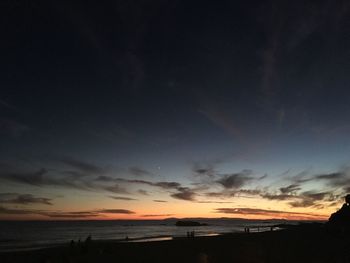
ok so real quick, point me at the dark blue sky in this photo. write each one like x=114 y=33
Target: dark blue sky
x=166 y=86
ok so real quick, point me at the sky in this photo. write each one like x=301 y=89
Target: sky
x=155 y=109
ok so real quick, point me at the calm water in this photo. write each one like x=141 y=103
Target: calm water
x=38 y=234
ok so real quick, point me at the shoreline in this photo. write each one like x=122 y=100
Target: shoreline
x=304 y=243
x=150 y=238
x=146 y=239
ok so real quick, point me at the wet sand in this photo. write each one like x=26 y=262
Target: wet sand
x=297 y=244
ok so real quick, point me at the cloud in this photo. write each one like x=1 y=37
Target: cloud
x=167 y=185
x=10 y=211
x=83 y=214
x=227 y=193
x=74 y=174
x=104 y=178
x=203 y=170
x=143 y=192
x=82 y=166
x=137 y=171
x=41 y=178
x=337 y=179
x=160 y=201
x=290 y=188
x=184 y=194
x=248 y=192
x=64 y=214
x=115 y=211
x=216 y=194
x=268 y=213
x=280 y=197
x=214 y=202
x=330 y=176
x=33 y=178
x=305 y=199
x=303 y=203
x=23 y=199
x=123 y=198
x=236 y=180
x=157 y=215
x=44 y=178
x=116 y=188
x=311 y=199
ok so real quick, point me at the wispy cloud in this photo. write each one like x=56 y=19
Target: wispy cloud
x=10 y=211
x=278 y=197
x=115 y=211
x=83 y=167
x=290 y=188
x=201 y=170
x=157 y=215
x=82 y=214
x=33 y=178
x=71 y=179
x=115 y=188
x=143 y=192
x=184 y=194
x=104 y=178
x=313 y=199
x=268 y=213
x=23 y=199
x=64 y=214
x=138 y=171
x=123 y=198
x=41 y=178
x=336 y=179
x=236 y=180
x=214 y=202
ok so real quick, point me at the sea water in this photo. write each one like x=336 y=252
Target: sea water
x=24 y=235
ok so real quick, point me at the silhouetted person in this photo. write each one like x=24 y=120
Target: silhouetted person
x=340 y=220
x=88 y=239
x=86 y=244
x=72 y=243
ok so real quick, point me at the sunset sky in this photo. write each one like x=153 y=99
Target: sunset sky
x=156 y=109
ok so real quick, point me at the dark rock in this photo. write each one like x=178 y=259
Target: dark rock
x=341 y=218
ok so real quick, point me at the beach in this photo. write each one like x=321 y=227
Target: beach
x=309 y=243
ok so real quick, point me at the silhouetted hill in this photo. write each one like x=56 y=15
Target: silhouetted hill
x=341 y=218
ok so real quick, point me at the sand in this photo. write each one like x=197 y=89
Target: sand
x=298 y=244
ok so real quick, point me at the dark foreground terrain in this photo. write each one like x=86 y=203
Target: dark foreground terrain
x=297 y=244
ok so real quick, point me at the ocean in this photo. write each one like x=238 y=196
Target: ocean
x=26 y=235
